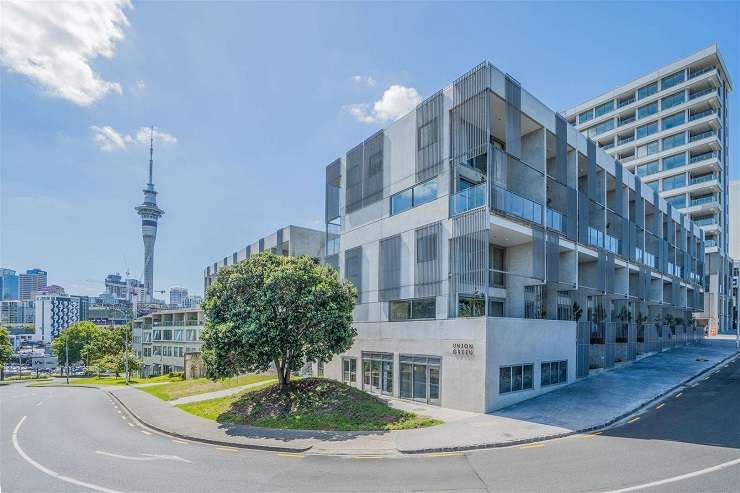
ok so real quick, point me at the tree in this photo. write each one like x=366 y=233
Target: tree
x=6 y=350
x=78 y=335
x=106 y=347
x=115 y=363
x=277 y=310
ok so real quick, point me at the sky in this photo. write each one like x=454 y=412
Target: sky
x=251 y=101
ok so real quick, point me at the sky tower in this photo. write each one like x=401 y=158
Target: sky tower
x=150 y=214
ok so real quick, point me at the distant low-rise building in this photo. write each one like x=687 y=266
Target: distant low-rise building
x=162 y=338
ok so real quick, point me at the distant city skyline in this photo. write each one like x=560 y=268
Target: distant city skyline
x=243 y=139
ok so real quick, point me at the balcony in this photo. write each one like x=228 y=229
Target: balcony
x=700 y=93
x=710 y=243
x=703 y=200
x=702 y=114
x=702 y=136
x=626 y=140
x=468 y=199
x=608 y=146
x=701 y=179
x=192 y=322
x=705 y=221
x=703 y=157
x=625 y=102
x=700 y=71
x=626 y=121
x=555 y=220
x=516 y=205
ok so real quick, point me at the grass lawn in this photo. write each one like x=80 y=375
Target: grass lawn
x=309 y=404
x=118 y=381
x=184 y=388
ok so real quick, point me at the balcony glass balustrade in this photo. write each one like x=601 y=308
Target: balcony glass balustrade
x=698 y=72
x=703 y=157
x=469 y=198
x=702 y=136
x=703 y=200
x=625 y=102
x=555 y=220
x=702 y=179
x=700 y=93
x=701 y=114
x=705 y=221
x=516 y=205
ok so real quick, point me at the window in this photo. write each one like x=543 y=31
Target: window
x=157 y=334
x=428 y=134
x=672 y=80
x=496 y=261
x=677 y=202
x=654 y=185
x=515 y=378
x=470 y=306
x=603 y=109
x=674 y=120
x=413 y=309
x=320 y=369
x=495 y=307
x=648 y=90
x=674 y=141
x=646 y=130
x=673 y=100
x=565 y=306
x=585 y=116
x=674 y=182
x=601 y=128
x=647 y=110
x=147 y=352
x=553 y=372
x=167 y=335
x=647 y=149
x=157 y=350
x=349 y=370
x=534 y=301
x=647 y=169
x=426 y=248
x=178 y=335
x=414 y=196
x=166 y=350
x=191 y=335
x=674 y=161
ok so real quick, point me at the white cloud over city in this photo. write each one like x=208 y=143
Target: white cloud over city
x=108 y=139
x=54 y=43
x=396 y=101
x=364 y=80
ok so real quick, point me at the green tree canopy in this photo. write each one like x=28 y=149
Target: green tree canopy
x=279 y=310
x=6 y=350
x=78 y=334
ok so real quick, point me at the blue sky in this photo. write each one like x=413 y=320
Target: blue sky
x=254 y=100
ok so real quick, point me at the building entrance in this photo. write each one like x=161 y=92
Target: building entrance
x=420 y=378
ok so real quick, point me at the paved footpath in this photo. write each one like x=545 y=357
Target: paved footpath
x=216 y=394
x=592 y=402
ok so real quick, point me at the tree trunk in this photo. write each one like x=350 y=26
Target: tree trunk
x=2 y=373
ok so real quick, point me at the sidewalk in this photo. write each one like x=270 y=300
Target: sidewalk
x=593 y=402
x=216 y=393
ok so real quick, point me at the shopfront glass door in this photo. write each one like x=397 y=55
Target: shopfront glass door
x=377 y=370
x=420 y=379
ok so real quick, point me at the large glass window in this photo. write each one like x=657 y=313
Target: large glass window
x=413 y=309
x=402 y=201
x=414 y=196
x=349 y=370
x=672 y=80
x=647 y=149
x=674 y=141
x=585 y=116
x=674 y=120
x=603 y=109
x=678 y=202
x=425 y=192
x=646 y=130
x=648 y=90
x=601 y=128
x=647 y=110
x=674 y=161
x=674 y=182
x=471 y=306
x=655 y=185
x=553 y=373
x=515 y=378
x=647 y=169
x=673 y=100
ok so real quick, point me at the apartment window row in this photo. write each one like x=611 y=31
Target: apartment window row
x=177 y=335
x=515 y=378
x=413 y=309
x=414 y=196
x=553 y=373
x=169 y=351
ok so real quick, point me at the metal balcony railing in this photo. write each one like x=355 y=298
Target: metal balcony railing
x=698 y=72
x=701 y=114
x=701 y=179
x=700 y=93
x=703 y=200
x=625 y=102
x=703 y=157
x=702 y=136
x=626 y=139
x=625 y=121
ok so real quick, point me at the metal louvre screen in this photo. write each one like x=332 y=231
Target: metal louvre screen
x=372 y=176
x=470 y=119
x=468 y=256
x=553 y=257
x=248 y=251
x=582 y=218
x=428 y=268
x=561 y=149
x=572 y=222
x=609 y=274
x=591 y=187
x=538 y=253
x=353 y=191
x=429 y=137
x=261 y=245
x=583 y=338
x=353 y=268
x=279 y=242
x=513 y=117
x=333 y=183
x=639 y=205
x=619 y=190
x=389 y=269
x=601 y=265
x=645 y=282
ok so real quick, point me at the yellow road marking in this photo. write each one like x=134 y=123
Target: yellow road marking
x=290 y=455
x=362 y=457
x=180 y=441
x=634 y=419
x=660 y=405
x=445 y=454
x=532 y=445
x=228 y=449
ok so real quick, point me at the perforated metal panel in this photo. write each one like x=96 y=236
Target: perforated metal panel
x=389 y=268
x=513 y=117
x=582 y=218
x=429 y=116
x=372 y=186
x=353 y=190
x=553 y=257
x=469 y=255
x=619 y=189
x=353 y=268
x=538 y=253
x=279 y=241
x=333 y=183
x=639 y=205
x=428 y=268
x=591 y=186
x=561 y=149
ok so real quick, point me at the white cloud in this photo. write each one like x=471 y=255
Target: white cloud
x=108 y=139
x=365 y=80
x=53 y=43
x=140 y=85
x=396 y=101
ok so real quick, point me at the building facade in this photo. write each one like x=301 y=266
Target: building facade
x=733 y=222
x=54 y=313
x=499 y=254
x=178 y=297
x=162 y=338
x=293 y=241
x=33 y=280
x=8 y=284
x=192 y=301
x=671 y=128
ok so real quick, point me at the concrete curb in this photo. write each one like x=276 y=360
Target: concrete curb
x=590 y=429
x=266 y=448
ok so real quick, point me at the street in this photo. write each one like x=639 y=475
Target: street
x=76 y=439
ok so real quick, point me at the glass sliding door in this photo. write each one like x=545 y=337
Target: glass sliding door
x=420 y=378
x=377 y=370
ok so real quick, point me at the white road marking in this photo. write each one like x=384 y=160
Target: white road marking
x=700 y=472
x=48 y=471
x=39 y=403
x=146 y=457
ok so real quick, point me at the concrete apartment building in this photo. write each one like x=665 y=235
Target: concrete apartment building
x=671 y=128
x=499 y=253
x=54 y=313
x=293 y=241
x=161 y=339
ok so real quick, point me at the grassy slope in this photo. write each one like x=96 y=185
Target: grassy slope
x=118 y=381
x=311 y=404
x=184 y=388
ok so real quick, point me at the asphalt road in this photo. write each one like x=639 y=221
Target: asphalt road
x=75 y=439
